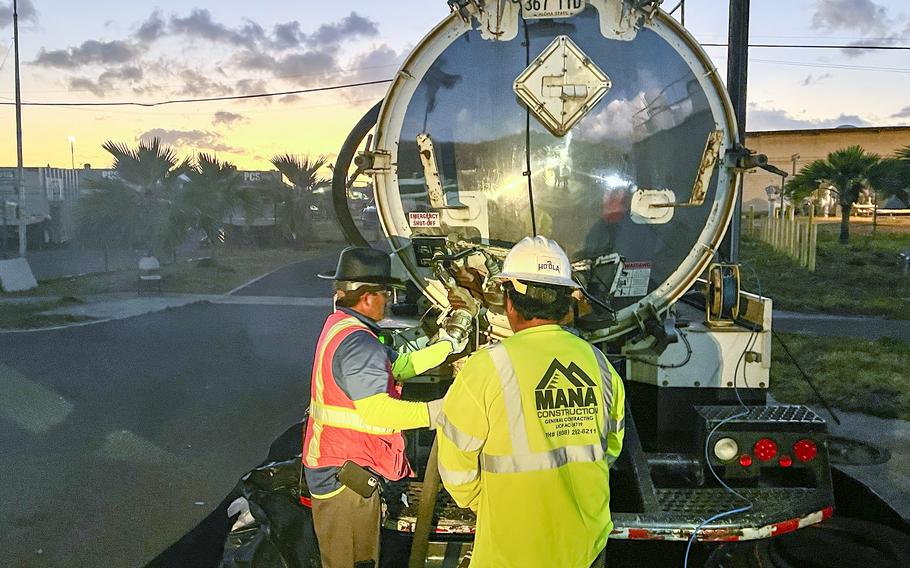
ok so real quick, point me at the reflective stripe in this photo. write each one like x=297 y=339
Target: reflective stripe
x=344 y=418
x=328 y=495
x=522 y=459
x=606 y=382
x=312 y=455
x=511 y=396
x=313 y=452
x=450 y=477
x=617 y=425
x=462 y=441
x=542 y=460
x=340 y=326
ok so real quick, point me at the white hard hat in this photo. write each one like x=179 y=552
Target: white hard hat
x=539 y=260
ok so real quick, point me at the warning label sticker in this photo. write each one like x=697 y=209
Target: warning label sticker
x=418 y=220
x=566 y=401
x=633 y=282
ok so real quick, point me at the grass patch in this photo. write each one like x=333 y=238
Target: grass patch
x=852 y=374
x=860 y=278
x=205 y=276
x=26 y=315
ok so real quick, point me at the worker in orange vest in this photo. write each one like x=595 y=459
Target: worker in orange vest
x=353 y=435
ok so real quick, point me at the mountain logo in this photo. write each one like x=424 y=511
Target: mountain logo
x=565 y=387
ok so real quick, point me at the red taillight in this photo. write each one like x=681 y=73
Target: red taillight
x=765 y=449
x=805 y=450
x=785 y=461
x=745 y=460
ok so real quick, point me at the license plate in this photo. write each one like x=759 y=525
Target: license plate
x=540 y=9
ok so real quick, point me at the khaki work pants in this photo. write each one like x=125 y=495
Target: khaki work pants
x=347 y=527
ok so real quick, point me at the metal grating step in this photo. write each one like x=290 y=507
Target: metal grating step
x=789 y=414
x=445 y=507
x=706 y=502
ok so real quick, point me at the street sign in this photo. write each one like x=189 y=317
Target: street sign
x=542 y=9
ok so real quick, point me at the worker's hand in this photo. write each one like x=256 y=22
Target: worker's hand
x=470 y=279
x=457 y=346
x=461 y=299
x=434 y=408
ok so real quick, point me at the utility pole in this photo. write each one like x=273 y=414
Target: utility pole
x=737 y=79
x=20 y=176
x=3 y=235
x=72 y=153
x=795 y=158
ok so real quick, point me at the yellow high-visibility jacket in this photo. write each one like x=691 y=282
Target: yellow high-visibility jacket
x=527 y=435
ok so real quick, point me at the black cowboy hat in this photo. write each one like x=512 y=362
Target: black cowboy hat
x=363 y=264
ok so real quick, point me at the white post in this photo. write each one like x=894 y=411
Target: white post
x=813 y=247
x=20 y=175
x=794 y=233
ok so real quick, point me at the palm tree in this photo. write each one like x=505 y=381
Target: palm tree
x=293 y=204
x=902 y=170
x=848 y=171
x=213 y=194
x=135 y=207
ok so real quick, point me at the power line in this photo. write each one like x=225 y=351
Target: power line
x=901 y=70
x=834 y=66
x=121 y=112
x=249 y=79
x=385 y=81
x=210 y=99
x=9 y=50
x=817 y=46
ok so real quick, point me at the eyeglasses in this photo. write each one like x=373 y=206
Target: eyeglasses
x=386 y=293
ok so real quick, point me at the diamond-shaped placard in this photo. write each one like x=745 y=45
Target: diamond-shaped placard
x=561 y=85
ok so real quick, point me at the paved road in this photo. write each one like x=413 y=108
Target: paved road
x=297 y=280
x=117 y=438
x=842 y=326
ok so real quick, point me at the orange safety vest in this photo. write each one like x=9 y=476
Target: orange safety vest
x=335 y=432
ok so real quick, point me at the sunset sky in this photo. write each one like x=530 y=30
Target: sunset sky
x=113 y=51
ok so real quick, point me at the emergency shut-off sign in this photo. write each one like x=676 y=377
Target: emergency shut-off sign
x=418 y=220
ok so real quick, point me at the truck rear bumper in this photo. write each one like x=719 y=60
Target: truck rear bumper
x=635 y=527
x=642 y=527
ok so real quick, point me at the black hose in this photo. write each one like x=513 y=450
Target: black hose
x=807 y=378
x=340 y=176
x=420 y=545
x=528 y=136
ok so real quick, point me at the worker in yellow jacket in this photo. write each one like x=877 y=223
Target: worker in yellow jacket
x=531 y=426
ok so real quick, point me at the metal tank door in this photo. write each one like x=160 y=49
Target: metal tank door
x=608 y=142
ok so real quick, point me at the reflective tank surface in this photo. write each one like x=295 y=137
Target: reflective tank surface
x=621 y=180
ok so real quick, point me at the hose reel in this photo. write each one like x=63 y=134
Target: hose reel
x=722 y=294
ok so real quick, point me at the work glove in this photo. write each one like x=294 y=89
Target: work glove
x=434 y=408
x=461 y=299
x=457 y=346
x=470 y=279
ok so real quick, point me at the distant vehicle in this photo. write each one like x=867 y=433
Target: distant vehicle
x=369 y=217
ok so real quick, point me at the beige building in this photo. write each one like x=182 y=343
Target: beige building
x=50 y=198
x=789 y=149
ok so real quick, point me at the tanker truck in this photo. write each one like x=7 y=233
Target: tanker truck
x=601 y=124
